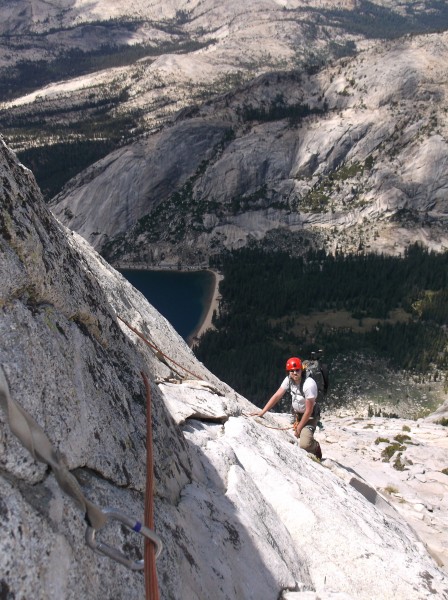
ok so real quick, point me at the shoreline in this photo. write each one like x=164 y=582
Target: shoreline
x=168 y=267
x=211 y=302
x=210 y=305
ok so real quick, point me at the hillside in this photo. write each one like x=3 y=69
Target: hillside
x=294 y=116
x=352 y=158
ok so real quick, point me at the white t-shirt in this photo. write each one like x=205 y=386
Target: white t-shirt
x=298 y=400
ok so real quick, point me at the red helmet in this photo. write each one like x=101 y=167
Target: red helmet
x=293 y=363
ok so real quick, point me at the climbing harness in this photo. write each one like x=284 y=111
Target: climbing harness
x=159 y=353
x=34 y=439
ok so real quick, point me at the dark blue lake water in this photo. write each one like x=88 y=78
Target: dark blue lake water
x=183 y=298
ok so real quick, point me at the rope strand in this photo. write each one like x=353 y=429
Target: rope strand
x=142 y=337
x=270 y=426
x=151 y=583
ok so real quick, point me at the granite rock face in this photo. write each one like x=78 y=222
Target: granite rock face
x=354 y=155
x=242 y=511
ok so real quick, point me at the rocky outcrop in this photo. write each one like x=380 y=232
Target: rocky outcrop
x=241 y=510
x=154 y=168
x=396 y=461
x=354 y=156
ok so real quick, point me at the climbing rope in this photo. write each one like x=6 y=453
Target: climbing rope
x=151 y=585
x=34 y=439
x=271 y=426
x=158 y=351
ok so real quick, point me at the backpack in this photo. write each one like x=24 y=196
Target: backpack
x=319 y=372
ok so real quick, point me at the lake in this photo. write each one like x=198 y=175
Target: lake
x=181 y=297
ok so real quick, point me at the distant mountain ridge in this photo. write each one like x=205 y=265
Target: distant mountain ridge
x=353 y=156
x=276 y=133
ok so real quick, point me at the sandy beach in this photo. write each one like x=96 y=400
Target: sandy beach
x=213 y=303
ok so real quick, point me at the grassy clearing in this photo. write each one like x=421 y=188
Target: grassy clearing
x=341 y=319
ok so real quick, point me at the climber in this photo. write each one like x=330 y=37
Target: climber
x=303 y=396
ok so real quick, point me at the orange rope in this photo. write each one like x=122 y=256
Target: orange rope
x=142 y=337
x=151 y=584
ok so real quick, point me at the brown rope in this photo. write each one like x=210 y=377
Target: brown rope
x=270 y=426
x=151 y=584
x=142 y=337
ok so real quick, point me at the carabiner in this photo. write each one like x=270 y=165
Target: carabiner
x=114 y=553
